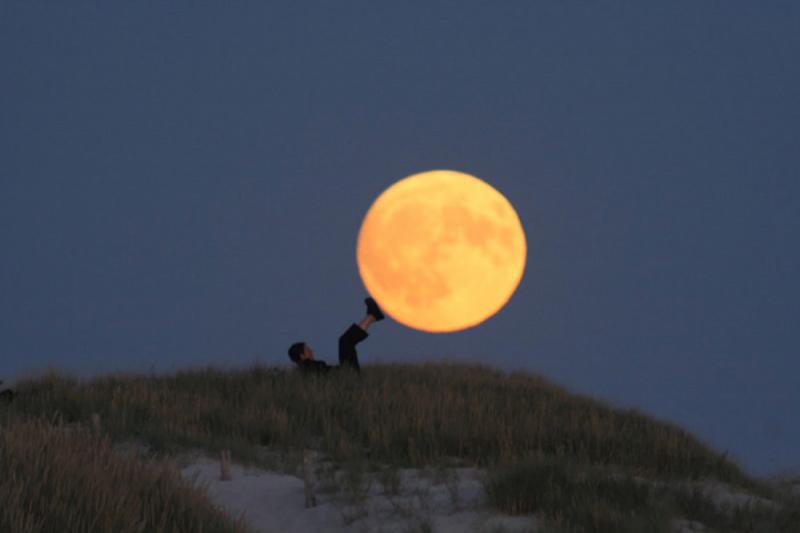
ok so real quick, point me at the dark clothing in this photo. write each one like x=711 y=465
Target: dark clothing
x=7 y=395
x=348 y=357
x=311 y=366
x=347 y=346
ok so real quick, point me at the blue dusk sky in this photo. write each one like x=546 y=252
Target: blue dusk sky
x=182 y=185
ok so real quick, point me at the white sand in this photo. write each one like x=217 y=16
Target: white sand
x=275 y=503
x=450 y=501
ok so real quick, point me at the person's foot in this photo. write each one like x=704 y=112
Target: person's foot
x=373 y=309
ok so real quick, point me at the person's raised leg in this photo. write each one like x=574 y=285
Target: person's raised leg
x=366 y=322
x=348 y=356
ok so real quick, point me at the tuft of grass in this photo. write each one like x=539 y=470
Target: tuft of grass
x=576 y=498
x=54 y=477
x=697 y=504
x=421 y=524
x=355 y=482
x=573 y=498
x=452 y=481
x=390 y=479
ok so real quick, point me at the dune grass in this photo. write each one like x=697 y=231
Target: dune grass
x=54 y=477
x=577 y=498
x=410 y=416
x=414 y=415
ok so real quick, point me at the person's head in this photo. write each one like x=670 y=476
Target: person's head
x=300 y=351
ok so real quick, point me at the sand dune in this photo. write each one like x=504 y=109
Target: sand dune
x=273 y=502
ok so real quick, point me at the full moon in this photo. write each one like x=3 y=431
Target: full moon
x=441 y=251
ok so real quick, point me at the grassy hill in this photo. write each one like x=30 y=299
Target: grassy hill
x=576 y=462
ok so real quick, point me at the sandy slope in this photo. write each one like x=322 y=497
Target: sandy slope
x=275 y=503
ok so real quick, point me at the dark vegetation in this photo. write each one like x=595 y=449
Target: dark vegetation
x=578 y=463
x=59 y=478
x=7 y=395
x=589 y=498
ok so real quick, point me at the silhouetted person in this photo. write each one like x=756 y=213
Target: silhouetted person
x=7 y=395
x=303 y=356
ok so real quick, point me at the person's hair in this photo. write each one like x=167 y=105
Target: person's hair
x=296 y=350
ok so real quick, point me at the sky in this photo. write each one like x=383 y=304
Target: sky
x=182 y=185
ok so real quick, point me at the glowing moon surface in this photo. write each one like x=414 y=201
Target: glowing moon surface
x=441 y=251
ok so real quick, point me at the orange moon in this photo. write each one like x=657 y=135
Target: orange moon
x=441 y=251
